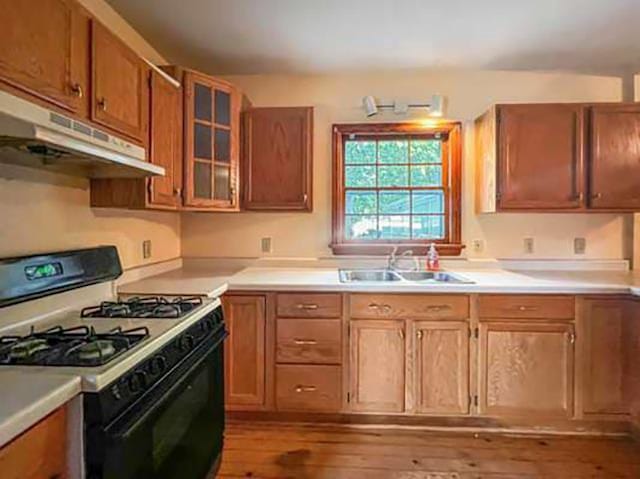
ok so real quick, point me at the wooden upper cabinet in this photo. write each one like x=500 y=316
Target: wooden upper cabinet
x=603 y=362
x=245 y=318
x=212 y=143
x=377 y=365
x=45 y=51
x=530 y=157
x=277 y=159
x=526 y=369
x=614 y=181
x=120 y=85
x=165 y=148
x=441 y=366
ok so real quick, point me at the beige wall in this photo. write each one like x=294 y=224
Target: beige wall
x=42 y=212
x=337 y=98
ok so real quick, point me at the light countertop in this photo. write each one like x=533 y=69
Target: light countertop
x=203 y=281
x=29 y=397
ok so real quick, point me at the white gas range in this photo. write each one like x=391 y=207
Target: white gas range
x=151 y=367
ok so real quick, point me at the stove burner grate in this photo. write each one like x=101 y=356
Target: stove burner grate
x=144 y=307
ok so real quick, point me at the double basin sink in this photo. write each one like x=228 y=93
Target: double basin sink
x=389 y=276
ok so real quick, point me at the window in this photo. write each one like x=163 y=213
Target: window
x=396 y=184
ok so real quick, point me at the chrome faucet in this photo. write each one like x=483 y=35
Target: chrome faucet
x=393 y=259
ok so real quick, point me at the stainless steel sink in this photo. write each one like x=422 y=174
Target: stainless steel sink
x=433 y=276
x=356 y=275
x=388 y=275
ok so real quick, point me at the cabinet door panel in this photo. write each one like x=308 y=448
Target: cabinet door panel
x=441 y=365
x=377 y=365
x=120 y=88
x=615 y=157
x=602 y=332
x=278 y=158
x=540 y=156
x=45 y=51
x=245 y=352
x=166 y=141
x=212 y=150
x=526 y=369
x=38 y=453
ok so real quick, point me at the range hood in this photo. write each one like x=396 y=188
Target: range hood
x=34 y=136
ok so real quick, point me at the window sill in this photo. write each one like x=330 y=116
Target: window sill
x=380 y=249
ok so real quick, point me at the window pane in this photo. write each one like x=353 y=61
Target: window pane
x=361 y=203
x=394 y=202
x=202 y=180
x=393 y=151
x=222 y=141
x=202 y=102
x=221 y=190
x=427 y=175
x=393 y=175
x=201 y=141
x=428 y=227
x=427 y=202
x=361 y=227
x=223 y=107
x=395 y=227
x=360 y=176
x=426 y=151
x=360 y=152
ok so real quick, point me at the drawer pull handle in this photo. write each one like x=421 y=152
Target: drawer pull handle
x=301 y=342
x=307 y=306
x=527 y=308
x=305 y=389
x=380 y=308
x=436 y=308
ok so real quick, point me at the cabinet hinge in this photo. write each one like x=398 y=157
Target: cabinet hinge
x=475 y=400
x=348 y=397
x=474 y=333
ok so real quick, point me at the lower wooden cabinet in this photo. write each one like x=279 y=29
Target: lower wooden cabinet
x=38 y=453
x=606 y=357
x=378 y=358
x=441 y=367
x=526 y=369
x=245 y=352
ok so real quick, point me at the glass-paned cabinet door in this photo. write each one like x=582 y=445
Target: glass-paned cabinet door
x=212 y=164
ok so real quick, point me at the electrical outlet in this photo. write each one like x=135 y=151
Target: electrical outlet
x=528 y=245
x=266 y=245
x=477 y=245
x=146 y=249
x=579 y=245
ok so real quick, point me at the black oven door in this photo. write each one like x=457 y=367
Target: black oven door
x=175 y=434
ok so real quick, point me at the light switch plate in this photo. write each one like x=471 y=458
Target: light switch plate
x=579 y=245
x=266 y=245
x=528 y=245
x=477 y=245
x=146 y=249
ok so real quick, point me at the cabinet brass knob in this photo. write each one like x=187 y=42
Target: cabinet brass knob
x=76 y=89
x=102 y=104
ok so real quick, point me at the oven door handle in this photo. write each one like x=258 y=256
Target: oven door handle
x=121 y=431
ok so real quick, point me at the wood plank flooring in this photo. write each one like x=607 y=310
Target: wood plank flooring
x=301 y=451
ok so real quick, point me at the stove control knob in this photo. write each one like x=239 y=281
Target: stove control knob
x=115 y=392
x=157 y=365
x=137 y=381
x=186 y=342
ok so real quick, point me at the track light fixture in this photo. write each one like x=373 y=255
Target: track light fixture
x=434 y=108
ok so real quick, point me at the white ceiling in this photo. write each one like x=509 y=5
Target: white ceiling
x=283 y=36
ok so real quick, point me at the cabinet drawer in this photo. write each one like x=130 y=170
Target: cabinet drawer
x=309 y=305
x=526 y=306
x=396 y=306
x=308 y=388
x=315 y=341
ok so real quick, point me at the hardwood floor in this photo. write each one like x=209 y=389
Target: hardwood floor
x=290 y=451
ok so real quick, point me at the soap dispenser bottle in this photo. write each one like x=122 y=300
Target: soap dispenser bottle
x=433 y=259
